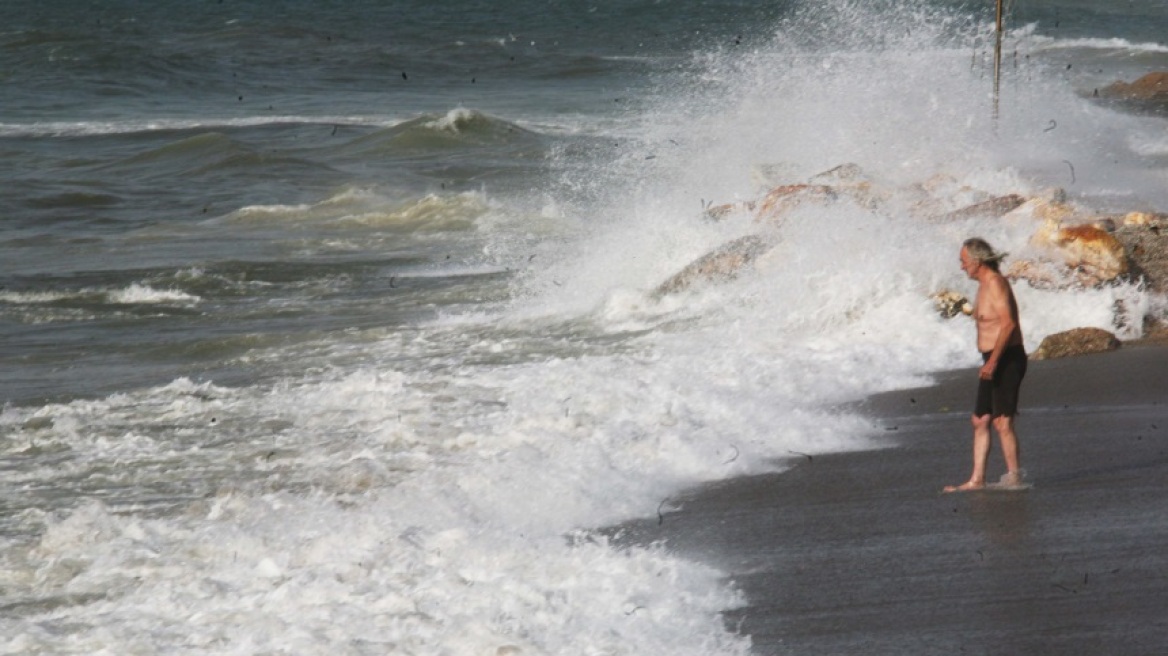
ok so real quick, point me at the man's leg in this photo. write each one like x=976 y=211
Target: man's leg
x=981 y=453
x=981 y=448
x=1010 y=450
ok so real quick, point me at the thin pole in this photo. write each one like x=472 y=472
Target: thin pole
x=997 y=58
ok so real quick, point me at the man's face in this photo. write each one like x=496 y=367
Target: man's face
x=969 y=265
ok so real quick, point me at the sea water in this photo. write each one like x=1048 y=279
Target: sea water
x=330 y=327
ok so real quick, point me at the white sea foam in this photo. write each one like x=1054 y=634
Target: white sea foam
x=134 y=294
x=25 y=298
x=453 y=120
x=138 y=293
x=1122 y=46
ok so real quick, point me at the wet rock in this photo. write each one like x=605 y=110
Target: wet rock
x=1079 y=341
x=950 y=304
x=843 y=174
x=781 y=200
x=1095 y=254
x=1147 y=246
x=994 y=207
x=1155 y=331
x=721 y=264
x=1037 y=273
x=1144 y=220
x=1150 y=92
x=1044 y=209
x=725 y=210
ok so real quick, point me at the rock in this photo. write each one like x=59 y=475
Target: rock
x=1078 y=341
x=1155 y=331
x=1106 y=224
x=994 y=207
x=719 y=212
x=1042 y=209
x=1097 y=256
x=1150 y=92
x=781 y=200
x=844 y=173
x=723 y=263
x=1038 y=274
x=1148 y=249
x=1144 y=219
x=950 y=303
x=1094 y=250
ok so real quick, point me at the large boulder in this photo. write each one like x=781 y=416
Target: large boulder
x=1078 y=341
x=1150 y=92
x=721 y=264
x=994 y=207
x=1095 y=255
x=1148 y=246
x=781 y=200
x=1044 y=209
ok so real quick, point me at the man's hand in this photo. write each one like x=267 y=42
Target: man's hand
x=987 y=370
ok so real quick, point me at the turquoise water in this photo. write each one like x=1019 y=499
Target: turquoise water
x=323 y=323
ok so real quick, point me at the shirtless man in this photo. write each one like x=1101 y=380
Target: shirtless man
x=999 y=338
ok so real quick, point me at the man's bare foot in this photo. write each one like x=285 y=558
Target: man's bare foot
x=964 y=487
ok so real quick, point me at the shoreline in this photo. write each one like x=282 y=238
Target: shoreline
x=859 y=552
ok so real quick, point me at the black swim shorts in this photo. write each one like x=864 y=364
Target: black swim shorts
x=999 y=395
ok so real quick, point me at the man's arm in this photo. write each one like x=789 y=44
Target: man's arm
x=998 y=300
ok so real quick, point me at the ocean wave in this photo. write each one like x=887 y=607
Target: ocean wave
x=134 y=294
x=364 y=208
x=1113 y=44
x=458 y=128
x=32 y=298
x=138 y=294
x=135 y=126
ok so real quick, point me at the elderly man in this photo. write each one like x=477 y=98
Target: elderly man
x=999 y=338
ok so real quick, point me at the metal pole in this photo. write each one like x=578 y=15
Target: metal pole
x=997 y=58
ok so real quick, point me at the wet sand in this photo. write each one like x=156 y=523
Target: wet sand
x=859 y=553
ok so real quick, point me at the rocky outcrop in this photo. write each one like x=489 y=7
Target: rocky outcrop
x=722 y=264
x=993 y=207
x=1078 y=341
x=1045 y=209
x=1070 y=245
x=781 y=200
x=1144 y=220
x=1148 y=246
x=1150 y=92
x=726 y=210
x=1094 y=255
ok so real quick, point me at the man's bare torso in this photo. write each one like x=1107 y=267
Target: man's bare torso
x=992 y=294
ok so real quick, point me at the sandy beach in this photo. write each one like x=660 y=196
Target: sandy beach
x=861 y=553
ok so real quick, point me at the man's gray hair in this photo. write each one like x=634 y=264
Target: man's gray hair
x=980 y=250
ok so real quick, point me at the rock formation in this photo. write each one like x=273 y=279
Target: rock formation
x=1150 y=92
x=994 y=207
x=1069 y=245
x=781 y=200
x=1078 y=341
x=1093 y=254
x=1147 y=245
x=723 y=263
